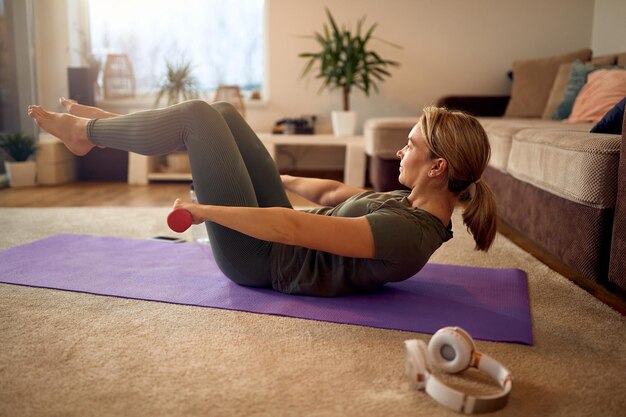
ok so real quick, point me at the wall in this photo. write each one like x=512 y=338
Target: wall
x=609 y=27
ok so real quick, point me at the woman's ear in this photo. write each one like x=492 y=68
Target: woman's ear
x=438 y=167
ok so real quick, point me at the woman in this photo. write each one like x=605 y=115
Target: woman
x=357 y=242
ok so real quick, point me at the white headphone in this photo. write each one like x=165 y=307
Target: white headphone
x=452 y=350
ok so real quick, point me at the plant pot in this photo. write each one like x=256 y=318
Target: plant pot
x=344 y=123
x=21 y=174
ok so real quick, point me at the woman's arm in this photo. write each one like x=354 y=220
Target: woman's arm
x=344 y=236
x=320 y=191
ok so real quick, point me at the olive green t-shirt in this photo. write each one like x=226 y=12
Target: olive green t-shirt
x=404 y=239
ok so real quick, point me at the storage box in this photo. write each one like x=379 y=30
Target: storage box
x=55 y=174
x=55 y=163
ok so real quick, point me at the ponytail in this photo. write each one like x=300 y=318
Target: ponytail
x=480 y=216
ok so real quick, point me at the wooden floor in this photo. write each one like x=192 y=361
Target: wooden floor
x=94 y=194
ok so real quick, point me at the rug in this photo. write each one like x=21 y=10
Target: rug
x=65 y=353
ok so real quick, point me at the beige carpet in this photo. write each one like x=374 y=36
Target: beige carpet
x=69 y=354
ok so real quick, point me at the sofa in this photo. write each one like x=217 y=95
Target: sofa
x=558 y=186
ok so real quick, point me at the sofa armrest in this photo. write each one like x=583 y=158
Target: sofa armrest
x=479 y=106
x=617 y=263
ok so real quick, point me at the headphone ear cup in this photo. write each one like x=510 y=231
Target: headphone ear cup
x=467 y=337
x=451 y=350
x=417 y=365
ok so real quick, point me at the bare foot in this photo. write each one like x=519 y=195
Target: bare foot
x=74 y=108
x=69 y=104
x=70 y=129
x=80 y=110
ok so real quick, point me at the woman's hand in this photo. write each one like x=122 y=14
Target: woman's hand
x=194 y=208
x=287 y=181
x=320 y=191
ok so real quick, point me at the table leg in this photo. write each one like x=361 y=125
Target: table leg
x=271 y=149
x=137 y=169
x=354 y=167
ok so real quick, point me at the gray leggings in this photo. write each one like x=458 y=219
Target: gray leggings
x=229 y=165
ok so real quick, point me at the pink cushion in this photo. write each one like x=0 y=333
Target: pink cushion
x=603 y=90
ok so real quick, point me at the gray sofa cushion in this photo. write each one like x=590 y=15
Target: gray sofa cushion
x=502 y=130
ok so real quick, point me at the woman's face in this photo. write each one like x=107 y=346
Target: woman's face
x=414 y=159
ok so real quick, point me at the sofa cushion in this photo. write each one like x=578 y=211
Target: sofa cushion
x=578 y=166
x=604 y=60
x=558 y=90
x=575 y=83
x=501 y=131
x=532 y=81
x=384 y=136
x=604 y=89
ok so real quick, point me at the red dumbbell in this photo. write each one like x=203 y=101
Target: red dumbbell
x=179 y=220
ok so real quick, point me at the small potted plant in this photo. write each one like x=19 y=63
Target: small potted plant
x=345 y=62
x=22 y=169
x=178 y=84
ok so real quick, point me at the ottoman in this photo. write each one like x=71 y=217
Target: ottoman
x=384 y=136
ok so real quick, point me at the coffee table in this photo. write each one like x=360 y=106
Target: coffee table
x=354 y=163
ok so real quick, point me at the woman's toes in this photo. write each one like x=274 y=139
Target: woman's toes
x=66 y=102
x=39 y=112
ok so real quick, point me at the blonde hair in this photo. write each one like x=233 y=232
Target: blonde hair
x=461 y=140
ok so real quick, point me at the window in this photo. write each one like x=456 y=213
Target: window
x=222 y=40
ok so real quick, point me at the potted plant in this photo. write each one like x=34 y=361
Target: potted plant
x=179 y=83
x=345 y=62
x=22 y=169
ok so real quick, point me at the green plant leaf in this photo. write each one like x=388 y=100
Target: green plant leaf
x=379 y=70
x=395 y=45
x=332 y=21
x=320 y=39
x=308 y=67
x=359 y=25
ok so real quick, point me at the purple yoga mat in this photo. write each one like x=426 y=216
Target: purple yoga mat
x=491 y=304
